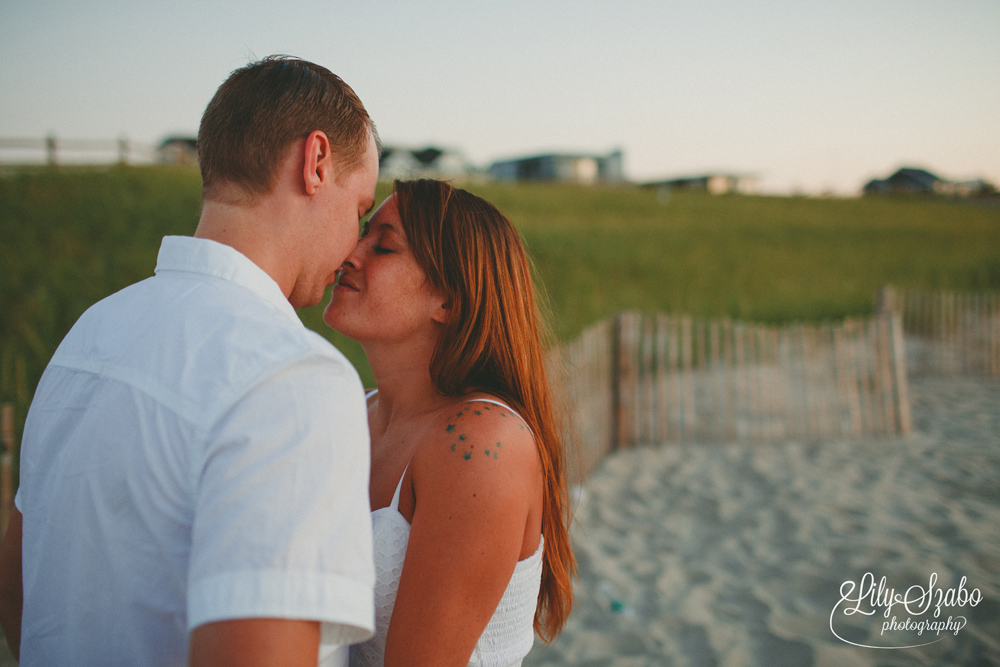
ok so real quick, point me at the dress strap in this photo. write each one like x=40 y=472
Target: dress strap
x=395 y=497
x=504 y=405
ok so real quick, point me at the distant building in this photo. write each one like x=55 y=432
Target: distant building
x=974 y=188
x=430 y=162
x=178 y=150
x=562 y=168
x=906 y=181
x=713 y=183
x=911 y=181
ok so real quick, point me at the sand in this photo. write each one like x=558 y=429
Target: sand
x=734 y=554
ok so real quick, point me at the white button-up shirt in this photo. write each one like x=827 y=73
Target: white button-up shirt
x=193 y=453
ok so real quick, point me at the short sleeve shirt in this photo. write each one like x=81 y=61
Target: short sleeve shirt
x=193 y=453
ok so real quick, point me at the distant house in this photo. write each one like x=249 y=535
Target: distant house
x=430 y=162
x=911 y=181
x=178 y=150
x=974 y=188
x=713 y=183
x=906 y=181
x=562 y=168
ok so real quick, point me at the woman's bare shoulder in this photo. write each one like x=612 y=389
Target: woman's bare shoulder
x=479 y=443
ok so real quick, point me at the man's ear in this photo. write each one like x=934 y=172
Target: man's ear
x=317 y=164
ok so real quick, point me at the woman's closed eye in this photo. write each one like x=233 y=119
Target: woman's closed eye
x=382 y=250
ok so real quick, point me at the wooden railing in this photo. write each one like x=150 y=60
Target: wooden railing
x=56 y=150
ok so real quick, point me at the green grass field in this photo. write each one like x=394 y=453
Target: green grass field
x=69 y=237
x=765 y=259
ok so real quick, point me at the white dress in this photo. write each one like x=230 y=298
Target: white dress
x=508 y=636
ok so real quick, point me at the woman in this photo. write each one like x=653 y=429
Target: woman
x=467 y=466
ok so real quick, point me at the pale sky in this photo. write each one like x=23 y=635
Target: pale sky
x=807 y=96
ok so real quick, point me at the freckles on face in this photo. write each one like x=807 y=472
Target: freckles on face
x=382 y=290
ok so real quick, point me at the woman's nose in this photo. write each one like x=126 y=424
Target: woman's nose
x=353 y=260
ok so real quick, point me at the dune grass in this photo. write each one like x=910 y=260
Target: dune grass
x=70 y=236
x=764 y=259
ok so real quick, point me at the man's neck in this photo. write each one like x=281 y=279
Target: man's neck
x=251 y=230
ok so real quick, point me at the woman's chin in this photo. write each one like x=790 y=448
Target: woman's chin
x=336 y=321
x=333 y=317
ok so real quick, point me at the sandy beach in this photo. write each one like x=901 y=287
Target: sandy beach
x=735 y=554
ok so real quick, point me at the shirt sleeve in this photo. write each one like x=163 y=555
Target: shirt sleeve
x=282 y=523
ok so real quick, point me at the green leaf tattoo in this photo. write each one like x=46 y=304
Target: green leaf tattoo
x=451 y=428
x=467 y=456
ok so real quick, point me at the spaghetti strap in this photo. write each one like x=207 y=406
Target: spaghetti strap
x=395 y=497
x=504 y=405
x=371 y=393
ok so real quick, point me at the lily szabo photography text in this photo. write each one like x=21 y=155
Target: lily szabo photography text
x=922 y=606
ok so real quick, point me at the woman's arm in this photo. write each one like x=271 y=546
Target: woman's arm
x=474 y=485
x=250 y=642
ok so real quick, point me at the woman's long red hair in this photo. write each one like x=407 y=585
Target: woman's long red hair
x=492 y=344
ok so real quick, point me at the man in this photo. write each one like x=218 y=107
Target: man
x=194 y=468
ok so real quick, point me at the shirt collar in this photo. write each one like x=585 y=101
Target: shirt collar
x=211 y=258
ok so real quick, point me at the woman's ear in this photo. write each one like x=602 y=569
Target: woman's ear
x=442 y=313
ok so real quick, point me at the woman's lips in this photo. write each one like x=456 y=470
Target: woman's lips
x=343 y=282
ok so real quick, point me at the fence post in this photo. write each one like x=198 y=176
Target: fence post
x=625 y=388
x=994 y=337
x=646 y=407
x=887 y=301
x=898 y=343
x=50 y=149
x=6 y=463
x=122 y=150
x=664 y=425
x=616 y=382
x=687 y=379
x=890 y=310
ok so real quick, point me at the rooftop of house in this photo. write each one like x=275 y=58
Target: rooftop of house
x=191 y=142
x=921 y=176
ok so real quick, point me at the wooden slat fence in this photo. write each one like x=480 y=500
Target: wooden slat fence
x=948 y=333
x=650 y=379
x=582 y=371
